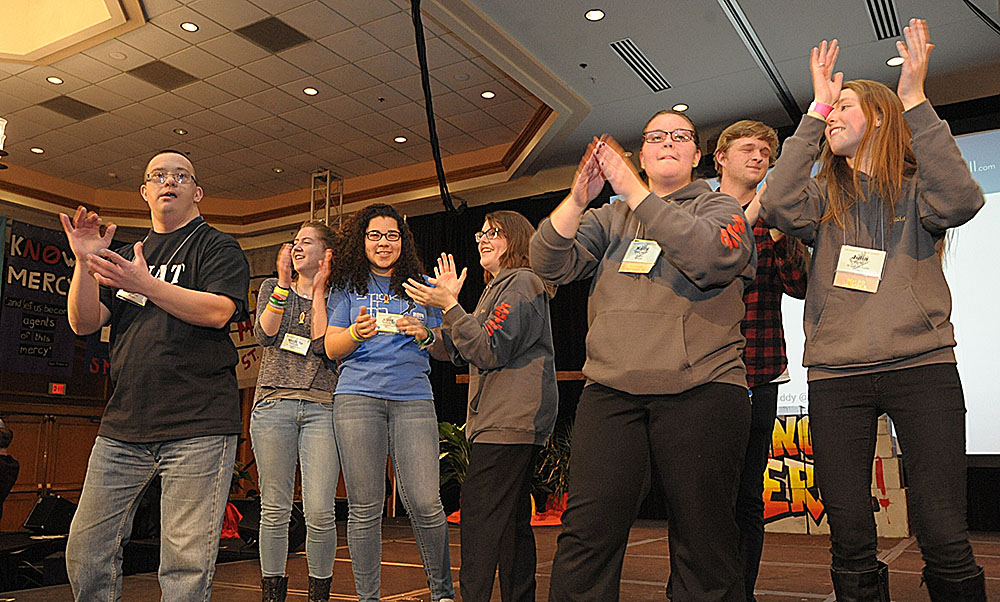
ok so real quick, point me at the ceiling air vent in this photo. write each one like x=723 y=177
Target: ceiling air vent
x=71 y=107
x=273 y=34
x=638 y=62
x=883 y=15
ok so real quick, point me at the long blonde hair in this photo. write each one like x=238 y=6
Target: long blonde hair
x=885 y=148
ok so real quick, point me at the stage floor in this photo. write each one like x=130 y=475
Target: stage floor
x=794 y=567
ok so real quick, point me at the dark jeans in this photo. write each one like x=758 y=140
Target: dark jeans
x=698 y=439
x=750 y=499
x=496 y=523
x=928 y=410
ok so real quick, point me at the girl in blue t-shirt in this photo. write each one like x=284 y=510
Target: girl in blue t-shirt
x=383 y=404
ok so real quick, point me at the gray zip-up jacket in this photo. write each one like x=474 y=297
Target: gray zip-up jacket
x=907 y=322
x=513 y=397
x=678 y=326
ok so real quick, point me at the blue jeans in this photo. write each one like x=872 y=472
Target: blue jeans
x=283 y=430
x=195 y=475
x=368 y=429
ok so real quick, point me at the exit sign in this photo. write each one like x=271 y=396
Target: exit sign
x=57 y=388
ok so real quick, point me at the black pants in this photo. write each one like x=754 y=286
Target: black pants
x=750 y=499
x=698 y=439
x=928 y=410
x=496 y=523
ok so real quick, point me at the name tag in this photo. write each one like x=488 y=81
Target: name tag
x=859 y=269
x=640 y=257
x=136 y=298
x=386 y=322
x=295 y=344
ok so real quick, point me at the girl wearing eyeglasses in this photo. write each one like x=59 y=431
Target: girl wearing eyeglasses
x=383 y=403
x=513 y=399
x=878 y=334
x=292 y=417
x=665 y=377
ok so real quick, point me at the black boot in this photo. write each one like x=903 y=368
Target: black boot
x=273 y=589
x=970 y=589
x=319 y=589
x=864 y=586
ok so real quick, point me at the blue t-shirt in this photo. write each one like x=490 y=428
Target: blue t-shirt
x=387 y=366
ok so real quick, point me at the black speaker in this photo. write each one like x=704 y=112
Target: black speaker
x=50 y=516
x=249 y=526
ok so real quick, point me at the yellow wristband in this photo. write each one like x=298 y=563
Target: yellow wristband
x=281 y=291
x=354 y=337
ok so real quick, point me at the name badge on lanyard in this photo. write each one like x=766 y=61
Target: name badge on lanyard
x=640 y=257
x=386 y=321
x=135 y=298
x=859 y=268
x=295 y=343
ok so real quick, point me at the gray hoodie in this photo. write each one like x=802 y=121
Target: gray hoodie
x=513 y=396
x=678 y=326
x=907 y=322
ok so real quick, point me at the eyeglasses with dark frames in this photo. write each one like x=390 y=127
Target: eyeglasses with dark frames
x=375 y=235
x=490 y=234
x=160 y=177
x=678 y=135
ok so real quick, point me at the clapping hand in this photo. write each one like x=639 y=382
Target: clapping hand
x=826 y=83
x=916 y=53
x=447 y=285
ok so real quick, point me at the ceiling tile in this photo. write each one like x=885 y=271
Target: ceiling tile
x=86 y=68
x=439 y=53
x=392 y=159
x=133 y=56
x=450 y=104
x=126 y=146
x=407 y=114
x=342 y=107
x=130 y=87
x=245 y=135
x=12 y=103
x=20 y=153
x=296 y=88
x=388 y=66
x=455 y=75
x=339 y=133
x=233 y=49
x=276 y=127
x=171 y=22
x=153 y=40
x=229 y=13
x=395 y=31
x=334 y=155
x=373 y=123
x=412 y=87
x=419 y=152
x=155 y=8
x=315 y=20
x=197 y=62
x=348 y=78
x=68 y=164
x=312 y=57
x=473 y=121
x=380 y=97
x=243 y=156
x=39 y=116
x=237 y=82
x=167 y=129
x=307 y=117
x=459 y=46
x=362 y=12
x=58 y=141
x=306 y=141
x=277 y=6
x=275 y=150
x=37 y=75
x=242 y=110
x=304 y=162
x=460 y=144
x=496 y=135
x=204 y=94
x=91 y=130
x=172 y=105
x=27 y=90
x=142 y=114
x=13 y=68
x=360 y=167
x=219 y=165
x=210 y=121
x=102 y=98
x=515 y=112
x=443 y=128
x=274 y=70
x=354 y=44
x=275 y=101
x=217 y=144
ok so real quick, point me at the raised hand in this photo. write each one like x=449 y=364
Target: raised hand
x=111 y=269
x=752 y=210
x=619 y=171
x=916 y=53
x=320 y=280
x=284 y=264
x=588 y=181
x=826 y=83
x=83 y=232
x=446 y=276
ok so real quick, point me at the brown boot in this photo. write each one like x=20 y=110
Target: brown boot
x=319 y=589
x=273 y=589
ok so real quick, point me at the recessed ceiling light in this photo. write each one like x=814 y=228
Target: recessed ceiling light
x=462 y=76
x=310 y=91
x=277 y=169
x=37 y=150
x=118 y=56
x=594 y=14
x=680 y=107
x=399 y=139
x=180 y=131
x=189 y=26
x=895 y=61
x=52 y=79
x=488 y=94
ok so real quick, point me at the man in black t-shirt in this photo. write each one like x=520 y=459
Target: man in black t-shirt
x=9 y=467
x=174 y=407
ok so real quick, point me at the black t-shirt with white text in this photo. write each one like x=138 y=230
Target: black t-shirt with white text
x=171 y=379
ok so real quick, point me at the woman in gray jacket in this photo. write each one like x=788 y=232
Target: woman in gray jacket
x=512 y=402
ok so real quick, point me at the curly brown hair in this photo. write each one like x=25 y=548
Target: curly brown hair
x=351 y=269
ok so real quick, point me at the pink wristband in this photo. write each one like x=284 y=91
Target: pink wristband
x=822 y=109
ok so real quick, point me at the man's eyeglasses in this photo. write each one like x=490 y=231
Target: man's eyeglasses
x=375 y=235
x=678 y=135
x=160 y=177
x=490 y=234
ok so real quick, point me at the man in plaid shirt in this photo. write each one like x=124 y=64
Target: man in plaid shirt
x=743 y=155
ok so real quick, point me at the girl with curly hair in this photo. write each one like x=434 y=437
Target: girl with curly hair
x=383 y=403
